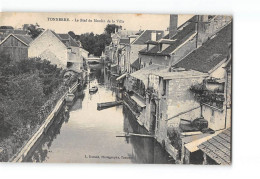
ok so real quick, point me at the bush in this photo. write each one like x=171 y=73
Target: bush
x=174 y=135
x=26 y=87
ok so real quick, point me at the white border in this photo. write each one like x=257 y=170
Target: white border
x=246 y=120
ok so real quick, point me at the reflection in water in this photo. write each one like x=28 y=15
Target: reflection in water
x=87 y=135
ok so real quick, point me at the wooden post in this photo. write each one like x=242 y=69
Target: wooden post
x=205 y=160
x=186 y=156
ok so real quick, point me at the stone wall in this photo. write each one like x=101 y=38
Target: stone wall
x=134 y=51
x=178 y=99
x=215 y=117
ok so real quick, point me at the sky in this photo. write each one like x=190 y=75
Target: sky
x=78 y=26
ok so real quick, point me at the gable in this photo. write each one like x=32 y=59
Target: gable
x=12 y=41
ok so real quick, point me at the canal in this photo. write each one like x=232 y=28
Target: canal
x=84 y=134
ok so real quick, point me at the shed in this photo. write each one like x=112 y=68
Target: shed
x=16 y=45
x=218 y=148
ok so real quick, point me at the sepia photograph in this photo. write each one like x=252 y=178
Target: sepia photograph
x=116 y=88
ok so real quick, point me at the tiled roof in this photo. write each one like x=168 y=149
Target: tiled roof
x=210 y=54
x=25 y=38
x=146 y=35
x=219 y=147
x=68 y=40
x=124 y=41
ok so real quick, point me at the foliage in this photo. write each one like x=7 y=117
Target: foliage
x=29 y=89
x=111 y=28
x=72 y=34
x=25 y=86
x=203 y=95
x=25 y=97
x=94 y=44
x=174 y=135
x=6 y=27
x=34 y=30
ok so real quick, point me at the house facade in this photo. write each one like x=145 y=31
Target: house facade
x=59 y=49
x=171 y=100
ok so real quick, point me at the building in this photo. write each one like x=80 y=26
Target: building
x=139 y=43
x=59 y=49
x=213 y=93
x=190 y=98
x=16 y=46
x=136 y=85
x=119 y=39
x=182 y=40
x=212 y=58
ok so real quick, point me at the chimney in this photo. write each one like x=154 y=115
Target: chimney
x=202 y=29
x=153 y=36
x=173 y=25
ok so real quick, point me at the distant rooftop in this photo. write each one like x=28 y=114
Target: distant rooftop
x=146 y=35
x=143 y=73
x=184 y=32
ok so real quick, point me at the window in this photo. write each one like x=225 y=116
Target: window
x=164 y=88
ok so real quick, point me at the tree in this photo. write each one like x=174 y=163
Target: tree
x=6 y=27
x=4 y=62
x=95 y=44
x=34 y=30
x=111 y=28
x=72 y=34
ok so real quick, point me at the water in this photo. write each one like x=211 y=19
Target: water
x=87 y=135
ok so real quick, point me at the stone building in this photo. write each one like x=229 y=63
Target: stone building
x=139 y=43
x=212 y=58
x=213 y=93
x=59 y=49
x=117 y=51
x=16 y=46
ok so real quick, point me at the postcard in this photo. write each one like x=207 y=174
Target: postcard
x=115 y=88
